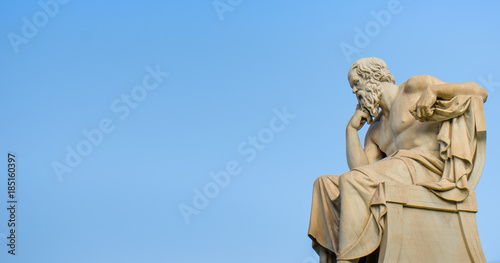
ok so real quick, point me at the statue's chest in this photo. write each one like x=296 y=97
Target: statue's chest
x=395 y=128
x=400 y=118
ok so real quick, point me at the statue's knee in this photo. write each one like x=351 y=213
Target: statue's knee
x=344 y=177
x=348 y=177
x=320 y=181
x=326 y=182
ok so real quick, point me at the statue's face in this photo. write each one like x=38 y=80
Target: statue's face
x=364 y=90
x=358 y=85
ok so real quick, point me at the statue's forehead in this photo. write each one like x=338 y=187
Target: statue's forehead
x=353 y=75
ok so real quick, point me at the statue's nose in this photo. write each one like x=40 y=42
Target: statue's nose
x=354 y=90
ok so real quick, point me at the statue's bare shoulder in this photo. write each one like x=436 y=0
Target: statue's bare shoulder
x=418 y=84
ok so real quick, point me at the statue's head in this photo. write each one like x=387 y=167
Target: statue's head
x=372 y=69
x=365 y=77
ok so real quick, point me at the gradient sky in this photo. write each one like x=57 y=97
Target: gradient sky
x=75 y=67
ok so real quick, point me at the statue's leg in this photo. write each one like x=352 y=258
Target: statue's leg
x=325 y=216
x=326 y=256
x=324 y=225
x=359 y=233
x=361 y=216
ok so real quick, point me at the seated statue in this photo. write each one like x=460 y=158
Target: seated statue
x=421 y=133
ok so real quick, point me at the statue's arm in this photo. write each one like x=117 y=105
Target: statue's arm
x=434 y=89
x=449 y=90
x=356 y=155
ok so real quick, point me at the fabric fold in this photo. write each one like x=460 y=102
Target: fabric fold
x=462 y=117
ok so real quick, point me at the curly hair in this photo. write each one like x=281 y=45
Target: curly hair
x=372 y=69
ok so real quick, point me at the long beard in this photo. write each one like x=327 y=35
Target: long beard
x=370 y=101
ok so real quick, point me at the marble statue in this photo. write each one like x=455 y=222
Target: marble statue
x=421 y=133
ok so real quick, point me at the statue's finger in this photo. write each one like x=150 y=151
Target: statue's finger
x=419 y=112
x=430 y=112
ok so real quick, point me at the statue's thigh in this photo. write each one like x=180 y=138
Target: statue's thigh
x=390 y=170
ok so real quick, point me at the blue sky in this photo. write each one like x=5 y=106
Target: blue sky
x=256 y=90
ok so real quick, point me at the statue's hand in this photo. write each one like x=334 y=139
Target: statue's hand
x=358 y=119
x=423 y=107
